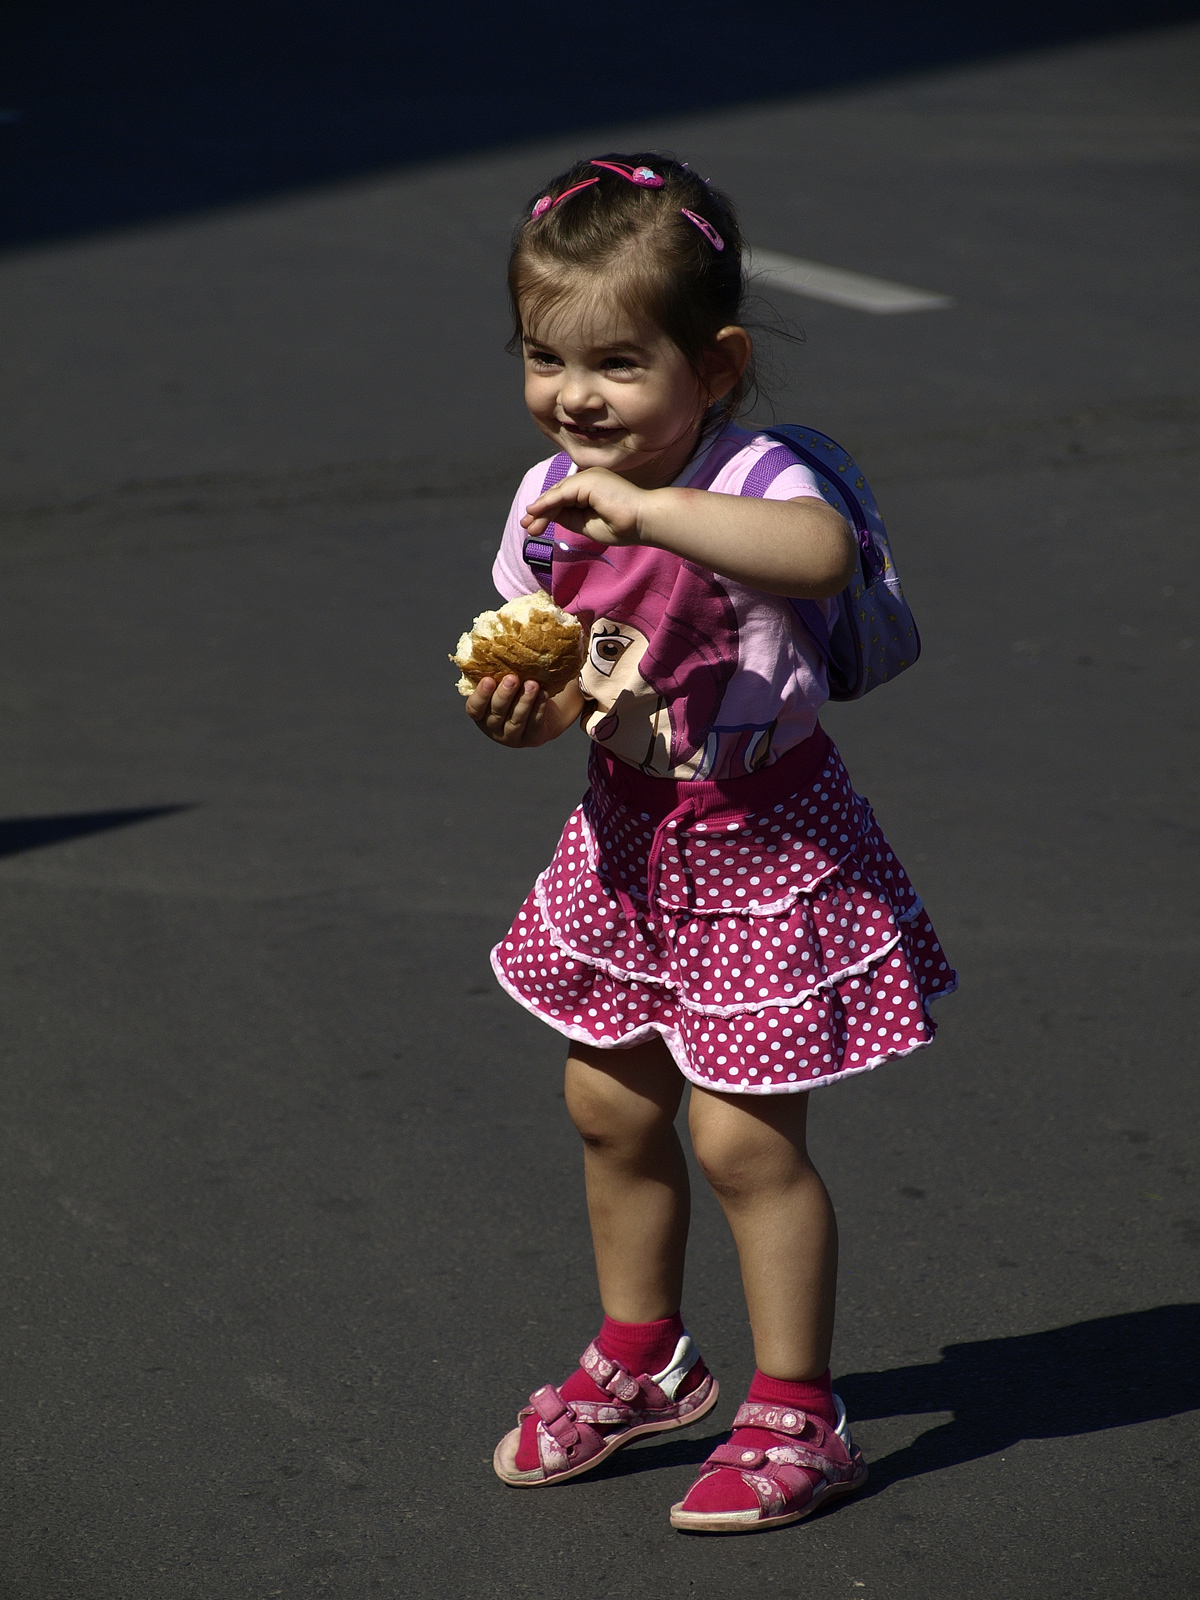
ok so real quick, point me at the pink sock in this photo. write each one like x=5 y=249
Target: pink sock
x=640 y=1347
x=814 y=1395
x=726 y=1490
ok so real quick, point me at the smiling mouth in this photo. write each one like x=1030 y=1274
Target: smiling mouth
x=593 y=435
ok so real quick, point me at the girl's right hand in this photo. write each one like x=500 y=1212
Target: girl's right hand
x=522 y=715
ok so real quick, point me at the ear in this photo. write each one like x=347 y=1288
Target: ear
x=725 y=360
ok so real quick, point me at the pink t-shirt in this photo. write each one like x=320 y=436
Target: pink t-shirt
x=691 y=675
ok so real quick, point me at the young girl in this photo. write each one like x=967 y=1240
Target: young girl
x=722 y=910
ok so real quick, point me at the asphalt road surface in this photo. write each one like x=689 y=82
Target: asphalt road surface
x=293 y=1218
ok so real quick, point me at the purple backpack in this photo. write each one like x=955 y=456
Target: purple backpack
x=873 y=637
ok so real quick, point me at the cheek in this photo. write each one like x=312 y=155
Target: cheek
x=689 y=396
x=625 y=676
x=539 y=393
x=668 y=407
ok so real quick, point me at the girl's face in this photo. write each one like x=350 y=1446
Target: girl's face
x=613 y=391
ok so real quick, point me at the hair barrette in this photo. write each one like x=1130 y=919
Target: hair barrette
x=644 y=177
x=706 y=228
x=545 y=203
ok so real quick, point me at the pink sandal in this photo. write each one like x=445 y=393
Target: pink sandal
x=573 y=1436
x=784 y=1493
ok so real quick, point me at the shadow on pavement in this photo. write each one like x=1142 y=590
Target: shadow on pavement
x=1108 y=1373
x=18 y=834
x=118 y=114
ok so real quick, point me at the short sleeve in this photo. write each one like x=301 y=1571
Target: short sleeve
x=794 y=483
x=735 y=455
x=509 y=572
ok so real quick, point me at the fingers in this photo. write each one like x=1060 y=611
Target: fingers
x=582 y=519
x=480 y=699
x=575 y=494
x=596 y=503
x=503 y=710
x=570 y=491
x=551 y=506
x=579 y=519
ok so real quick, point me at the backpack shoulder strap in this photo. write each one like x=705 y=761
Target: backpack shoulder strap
x=557 y=470
x=766 y=469
x=537 y=552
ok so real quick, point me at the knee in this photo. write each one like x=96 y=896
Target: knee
x=731 y=1162
x=611 y=1119
x=741 y=1156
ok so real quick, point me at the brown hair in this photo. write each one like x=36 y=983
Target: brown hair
x=637 y=240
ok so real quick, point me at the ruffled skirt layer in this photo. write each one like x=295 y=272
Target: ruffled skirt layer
x=761 y=926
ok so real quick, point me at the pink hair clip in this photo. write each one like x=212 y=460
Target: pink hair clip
x=545 y=203
x=644 y=177
x=706 y=228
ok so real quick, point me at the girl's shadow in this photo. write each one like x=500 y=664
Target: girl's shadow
x=1107 y=1373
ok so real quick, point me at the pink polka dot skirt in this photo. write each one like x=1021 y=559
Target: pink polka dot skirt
x=774 y=947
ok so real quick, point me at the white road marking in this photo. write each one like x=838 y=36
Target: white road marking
x=840 y=287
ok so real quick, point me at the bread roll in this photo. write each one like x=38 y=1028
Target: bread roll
x=529 y=636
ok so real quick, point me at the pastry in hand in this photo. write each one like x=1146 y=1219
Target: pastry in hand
x=530 y=637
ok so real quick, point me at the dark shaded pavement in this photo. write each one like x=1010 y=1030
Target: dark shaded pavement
x=123 y=113
x=293 y=1219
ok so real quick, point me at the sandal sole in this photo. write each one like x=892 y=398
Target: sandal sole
x=639 y=1432
x=700 y=1522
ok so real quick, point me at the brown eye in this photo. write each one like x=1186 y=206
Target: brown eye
x=606 y=650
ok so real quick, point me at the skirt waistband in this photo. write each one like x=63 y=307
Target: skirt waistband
x=705 y=798
x=673 y=804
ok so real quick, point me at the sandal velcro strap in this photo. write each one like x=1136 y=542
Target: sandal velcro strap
x=557 y=1417
x=780 y=1419
x=653 y=1398
x=803 y=1441
x=730 y=1454
x=830 y=1467
x=610 y=1376
x=606 y=1414
x=776 y=1486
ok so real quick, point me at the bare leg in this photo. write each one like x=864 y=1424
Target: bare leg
x=753 y=1152
x=623 y=1103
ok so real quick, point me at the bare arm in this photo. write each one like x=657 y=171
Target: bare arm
x=797 y=547
x=522 y=716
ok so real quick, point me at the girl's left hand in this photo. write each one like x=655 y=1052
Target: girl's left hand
x=596 y=503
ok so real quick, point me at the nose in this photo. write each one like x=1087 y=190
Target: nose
x=577 y=394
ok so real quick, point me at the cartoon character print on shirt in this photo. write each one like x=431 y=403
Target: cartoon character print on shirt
x=662 y=649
